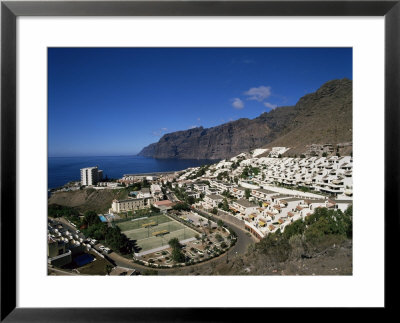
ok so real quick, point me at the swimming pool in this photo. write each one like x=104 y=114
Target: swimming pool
x=83 y=259
x=102 y=218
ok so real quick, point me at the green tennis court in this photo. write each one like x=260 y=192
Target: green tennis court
x=154 y=242
x=144 y=235
x=137 y=224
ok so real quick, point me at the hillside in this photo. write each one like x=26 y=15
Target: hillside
x=321 y=244
x=335 y=259
x=324 y=116
x=88 y=199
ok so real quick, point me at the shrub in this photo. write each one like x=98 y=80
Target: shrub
x=219 y=237
x=177 y=255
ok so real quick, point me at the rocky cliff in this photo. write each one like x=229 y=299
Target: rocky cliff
x=324 y=116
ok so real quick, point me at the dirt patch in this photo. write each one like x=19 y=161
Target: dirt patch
x=88 y=199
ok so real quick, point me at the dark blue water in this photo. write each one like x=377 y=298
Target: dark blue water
x=83 y=259
x=65 y=169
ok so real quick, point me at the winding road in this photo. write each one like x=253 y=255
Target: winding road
x=241 y=246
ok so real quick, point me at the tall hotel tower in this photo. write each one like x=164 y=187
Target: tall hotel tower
x=91 y=176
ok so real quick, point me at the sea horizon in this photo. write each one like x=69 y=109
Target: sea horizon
x=100 y=155
x=62 y=170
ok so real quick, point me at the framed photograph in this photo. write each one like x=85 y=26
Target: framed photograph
x=180 y=155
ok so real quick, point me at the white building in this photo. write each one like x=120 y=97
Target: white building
x=200 y=187
x=118 y=206
x=144 y=193
x=213 y=200
x=243 y=206
x=155 y=189
x=108 y=184
x=91 y=176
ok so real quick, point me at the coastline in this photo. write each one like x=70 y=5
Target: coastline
x=64 y=170
x=155 y=173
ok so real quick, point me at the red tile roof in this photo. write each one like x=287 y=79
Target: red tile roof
x=165 y=202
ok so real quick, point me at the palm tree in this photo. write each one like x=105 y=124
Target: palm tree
x=220 y=223
x=201 y=223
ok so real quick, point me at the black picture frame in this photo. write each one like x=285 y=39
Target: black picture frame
x=10 y=10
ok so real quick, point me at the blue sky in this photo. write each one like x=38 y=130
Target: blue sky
x=115 y=101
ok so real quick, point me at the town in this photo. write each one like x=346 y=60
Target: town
x=186 y=217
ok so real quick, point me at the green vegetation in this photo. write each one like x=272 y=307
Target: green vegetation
x=219 y=237
x=182 y=195
x=190 y=200
x=235 y=165
x=145 y=183
x=227 y=194
x=90 y=218
x=177 y=254
x=174 y=243
x=224 y=205
x=134 y=187
x=223 y=175
x=94 y=228
x=181 y=206
x=203 y=169
x=318 y=231
x=55 y=211
x=250 y=171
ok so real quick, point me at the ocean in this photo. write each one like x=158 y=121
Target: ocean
x=62 y=170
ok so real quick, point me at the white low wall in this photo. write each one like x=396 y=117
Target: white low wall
x=248 y=185
x=296 y=193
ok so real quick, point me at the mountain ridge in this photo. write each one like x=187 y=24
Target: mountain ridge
x=324 y=116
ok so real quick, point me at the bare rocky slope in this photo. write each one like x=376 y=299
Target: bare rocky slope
x=336 y=258
x=324 y=116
